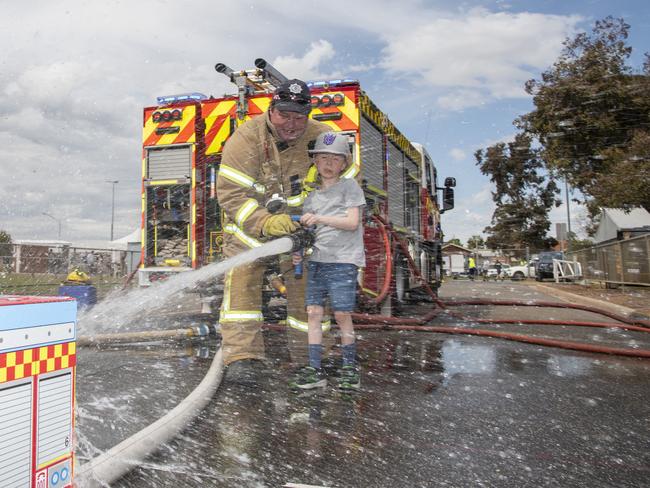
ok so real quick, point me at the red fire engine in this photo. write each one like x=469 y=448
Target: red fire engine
x=183 y=136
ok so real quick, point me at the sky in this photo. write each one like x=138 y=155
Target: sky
x=75 y=75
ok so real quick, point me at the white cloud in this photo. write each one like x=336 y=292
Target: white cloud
x=473 y=212
x=460 y=99
x=457 y=154
x=481 y=55
x=307 y=66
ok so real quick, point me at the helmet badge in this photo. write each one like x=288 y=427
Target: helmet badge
x=329 y=139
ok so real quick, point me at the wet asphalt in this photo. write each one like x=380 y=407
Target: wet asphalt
x=435 y=410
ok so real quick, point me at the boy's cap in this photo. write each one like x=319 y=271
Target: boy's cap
x=331 y=142
x=292 y=96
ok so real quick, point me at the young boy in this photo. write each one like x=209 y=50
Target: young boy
x=335 y=210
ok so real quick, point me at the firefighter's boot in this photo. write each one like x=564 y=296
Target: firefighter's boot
x=245 y=372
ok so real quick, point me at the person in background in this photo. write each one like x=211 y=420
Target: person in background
x=498 y=267
x=335 y=210
x=472 y=268
x=265 y=160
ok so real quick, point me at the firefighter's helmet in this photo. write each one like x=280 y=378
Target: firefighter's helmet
x=77 y=276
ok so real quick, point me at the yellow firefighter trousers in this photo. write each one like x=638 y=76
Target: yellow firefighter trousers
x=241 y=313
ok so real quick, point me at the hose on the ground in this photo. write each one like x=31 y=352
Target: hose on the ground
x=100 y=339
x=111 y=465
x=418 y=323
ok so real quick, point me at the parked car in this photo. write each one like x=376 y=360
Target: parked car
x=521 y=272
x=492 y=272
x=545 y=264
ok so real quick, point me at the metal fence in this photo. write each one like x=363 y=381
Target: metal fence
x=624 y=262
x=29 y=269
x=55 y=260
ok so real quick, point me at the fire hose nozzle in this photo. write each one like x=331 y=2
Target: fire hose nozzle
x=301 y=239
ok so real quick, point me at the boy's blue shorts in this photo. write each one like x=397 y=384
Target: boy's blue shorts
x=338 y=281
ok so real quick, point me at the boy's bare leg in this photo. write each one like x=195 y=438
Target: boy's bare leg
x=344 y=321
x=314 y=319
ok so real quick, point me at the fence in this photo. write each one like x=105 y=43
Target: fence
x=39 y=269
x=55 y=259
x=624 y=262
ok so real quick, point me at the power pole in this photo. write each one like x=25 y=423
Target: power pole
x=568 y=215
x=113 y=182
x=58 y=221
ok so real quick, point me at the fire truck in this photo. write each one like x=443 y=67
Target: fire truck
x=183 y=137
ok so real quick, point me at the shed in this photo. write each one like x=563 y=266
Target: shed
x=617 y=224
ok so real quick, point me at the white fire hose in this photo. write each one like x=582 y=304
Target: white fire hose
x=128 y=454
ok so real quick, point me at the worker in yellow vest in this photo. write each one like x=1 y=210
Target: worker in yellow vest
x=472 y=268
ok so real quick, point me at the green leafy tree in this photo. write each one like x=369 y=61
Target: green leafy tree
x=592 y=116
x=454 y=240
x=5 y=250
x=523 y=194
x=475 y=242
x=575 y=244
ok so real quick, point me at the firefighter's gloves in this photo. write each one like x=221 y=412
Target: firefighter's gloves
x=279 y=225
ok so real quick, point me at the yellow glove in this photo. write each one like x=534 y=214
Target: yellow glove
x=278 y=225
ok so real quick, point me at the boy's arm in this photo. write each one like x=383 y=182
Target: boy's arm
x=348 y=222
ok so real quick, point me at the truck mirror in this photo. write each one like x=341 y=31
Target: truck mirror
x=447 y=198
x=450 y=182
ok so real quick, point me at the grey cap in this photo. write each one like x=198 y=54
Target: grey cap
x=332 y=143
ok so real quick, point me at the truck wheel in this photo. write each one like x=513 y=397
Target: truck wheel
x=399 y=297
x=518 y=276
x=401 y=279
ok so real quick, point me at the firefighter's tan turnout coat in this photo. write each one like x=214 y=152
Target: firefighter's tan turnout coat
x=255 y=165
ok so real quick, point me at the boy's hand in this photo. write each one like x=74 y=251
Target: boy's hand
x=296 y=258
x=309 y=219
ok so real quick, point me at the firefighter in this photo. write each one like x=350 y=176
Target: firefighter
x=264 y=178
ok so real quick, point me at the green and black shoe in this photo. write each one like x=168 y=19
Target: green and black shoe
x=349 y=378
x=307 y=378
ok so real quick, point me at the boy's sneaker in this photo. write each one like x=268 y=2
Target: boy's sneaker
x=332 y=365
x=307 y=378
x=349 y=378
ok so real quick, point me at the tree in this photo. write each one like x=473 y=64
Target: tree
x=455 y=240
x=475 y=242
x=592 y=118
x=5 y=250
x=523 y=194
x=575 y=244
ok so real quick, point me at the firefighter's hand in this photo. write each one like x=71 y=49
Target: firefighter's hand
x=278 y=225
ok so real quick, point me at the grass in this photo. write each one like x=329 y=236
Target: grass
x=43 y=284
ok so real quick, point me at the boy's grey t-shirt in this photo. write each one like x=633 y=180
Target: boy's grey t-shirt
x=336 y=245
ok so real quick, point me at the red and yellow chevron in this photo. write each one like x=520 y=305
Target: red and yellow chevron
x=217 y=115
x=186 y=127
x=30 y=362
x=349 y=111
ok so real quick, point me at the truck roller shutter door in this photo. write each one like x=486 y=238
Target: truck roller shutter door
x=54 y=417
x=396 y=186
x=15 y=434
x=372 y=156
x=169 y=163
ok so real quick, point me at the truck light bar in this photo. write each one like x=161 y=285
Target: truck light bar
x=325 y=84
x=181 y=97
